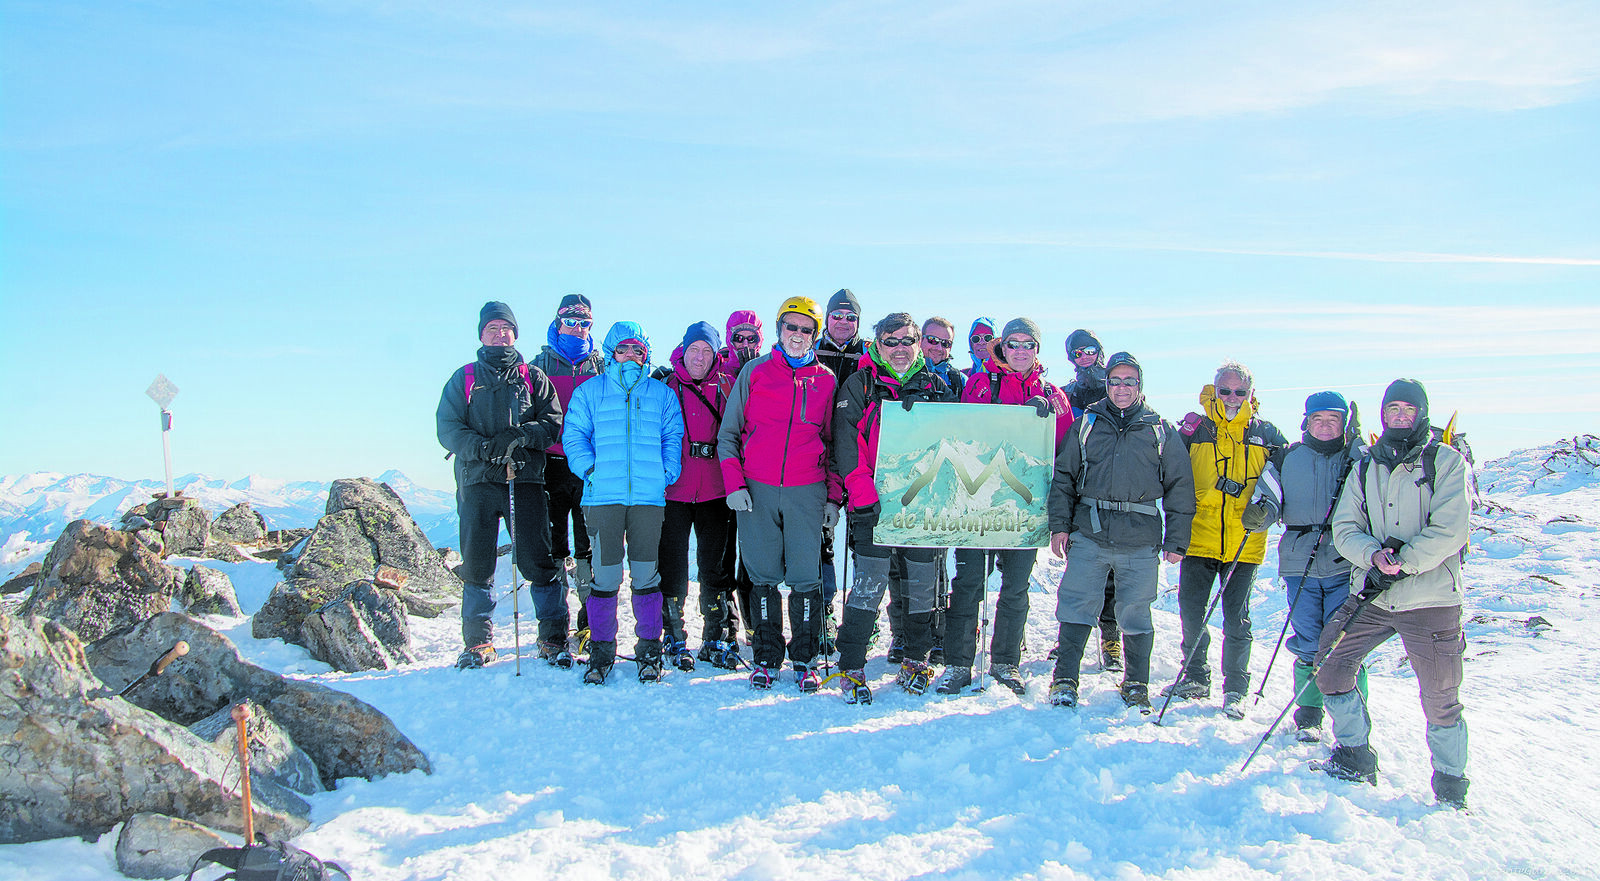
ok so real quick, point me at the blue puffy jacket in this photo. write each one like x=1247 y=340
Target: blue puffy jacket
x=623 y=432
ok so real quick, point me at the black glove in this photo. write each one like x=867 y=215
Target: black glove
x=534 y=435
x=866 y=516
x=906 y=403
x=1377 y=582
x=1040 y=405
x=503 y=446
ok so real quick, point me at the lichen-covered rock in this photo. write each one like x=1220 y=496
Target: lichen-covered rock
x=159 y=846
x=240 y=524
x=77 y=760
x=363 y=628
x=207 y=591
x=187 y=529
x=97 y=579
x=343 y=735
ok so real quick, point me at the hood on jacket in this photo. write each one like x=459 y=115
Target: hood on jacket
x=620 y=333
x=1080 y=338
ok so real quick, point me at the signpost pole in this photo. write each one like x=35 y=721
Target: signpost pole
x=162 y=391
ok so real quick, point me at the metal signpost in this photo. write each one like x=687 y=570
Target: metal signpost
x=162 y=391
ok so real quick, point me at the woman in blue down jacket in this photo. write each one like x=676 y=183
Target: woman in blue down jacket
x=623 y=435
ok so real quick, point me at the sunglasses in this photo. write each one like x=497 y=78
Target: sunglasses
x=1122 y=382
x=939 y=343
x=1232 y=392
x=895 y=342
x=1082 y=351
x=576 y=322
x=980 y=338
x=745 y=338
x=843 y=316
x=795 y=328
x=1030 y=345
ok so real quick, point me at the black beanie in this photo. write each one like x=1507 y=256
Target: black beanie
x=1410 y=391
x=843 y=299
x=496 y=309
x=573 y=306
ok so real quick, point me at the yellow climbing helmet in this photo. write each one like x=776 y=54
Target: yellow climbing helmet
x=802 y=306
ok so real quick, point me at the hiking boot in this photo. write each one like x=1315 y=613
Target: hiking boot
x=1233 y=705
x=554 y=652
x=1188 y=690
x=1450 y=790
x=601 y=656
x=681 y=657
x=760 y=677
x=1064 y=693
x=897 y=651
x=953 y=680
x=1010 y=676
x=914 y=677
x=720 y=654
x=1111 y=655
x=936 y=655
x=1358 y=764
x=806 y=678
x=1308 y=724
x=647 y=656
x=853 y=687
x=477 y=656
x=1136 y=694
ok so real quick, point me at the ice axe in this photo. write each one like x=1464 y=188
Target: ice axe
x=178 y=650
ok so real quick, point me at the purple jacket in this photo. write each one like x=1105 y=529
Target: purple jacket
x=703 y=403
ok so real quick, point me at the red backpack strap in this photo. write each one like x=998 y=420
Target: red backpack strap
x=469 y=383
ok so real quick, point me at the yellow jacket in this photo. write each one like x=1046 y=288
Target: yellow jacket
x=1237 y=450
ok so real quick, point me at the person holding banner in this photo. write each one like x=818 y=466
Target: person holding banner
x=773 y=445
x=1121 y=461
x=1012 y=375
x=892 y=370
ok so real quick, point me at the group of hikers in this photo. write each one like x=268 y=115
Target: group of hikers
x=598 y=464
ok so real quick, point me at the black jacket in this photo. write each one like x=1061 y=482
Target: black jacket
x=464 y=426
x=1119 y=463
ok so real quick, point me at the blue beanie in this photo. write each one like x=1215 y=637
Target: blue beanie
x=1327 y=401
x=702 y=332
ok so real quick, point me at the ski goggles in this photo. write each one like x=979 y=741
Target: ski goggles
x=576 y=322
x=745 y=339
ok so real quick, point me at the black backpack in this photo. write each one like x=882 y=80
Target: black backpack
x=268 y=861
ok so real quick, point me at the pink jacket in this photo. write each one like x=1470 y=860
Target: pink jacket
x=778 y=426
x=1014 y=388
x=703 y=404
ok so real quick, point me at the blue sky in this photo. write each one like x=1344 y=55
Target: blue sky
x=294 y=210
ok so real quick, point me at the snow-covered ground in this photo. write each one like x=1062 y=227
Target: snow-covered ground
x=699 y=777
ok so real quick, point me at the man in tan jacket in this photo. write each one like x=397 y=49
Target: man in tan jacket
x=1402 y=522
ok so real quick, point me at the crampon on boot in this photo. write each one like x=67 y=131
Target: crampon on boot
x=761 y=677
x=853 y=687
x=914 y=677
x=476 y=656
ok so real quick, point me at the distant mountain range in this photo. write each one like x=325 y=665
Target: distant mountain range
x=41 y=504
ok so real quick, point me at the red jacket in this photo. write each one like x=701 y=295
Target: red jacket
x=778 y=426
x=701 y=479
x=1014 y=388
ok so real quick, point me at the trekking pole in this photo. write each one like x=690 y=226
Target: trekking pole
x=1343 y=629
x=516 y=589
x=1204 y=623
x=178 y=650
x=1322 y=535
x=982 y=653
x=241 y=715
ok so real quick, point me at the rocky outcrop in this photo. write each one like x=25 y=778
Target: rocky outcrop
x=97 y=579
x=209 y=592
x=240 y=524
x=367 y=526
x=186 y=529
x=159 y=846
x=363 y=628
x=344 y=736
x=77 y=760
x=23 y=580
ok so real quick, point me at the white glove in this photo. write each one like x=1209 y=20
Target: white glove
x=739 y=500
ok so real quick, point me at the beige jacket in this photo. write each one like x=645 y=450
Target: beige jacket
x=1433 y=525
